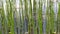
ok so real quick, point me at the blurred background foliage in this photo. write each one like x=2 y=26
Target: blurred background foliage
x=29 y=16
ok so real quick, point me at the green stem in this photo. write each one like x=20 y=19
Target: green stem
x=10 y=18
x=58 y=20
x=40 y=18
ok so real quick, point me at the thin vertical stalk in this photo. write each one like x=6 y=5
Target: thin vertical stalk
x=47 y=19
x=10 y=18
x=4 y=6
x=34 y=16
x=40 y=17
x=30 y=25
x=3 y=20
x=15 y=17
x=51 y=17
x=58 y=20
x=37 y=9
